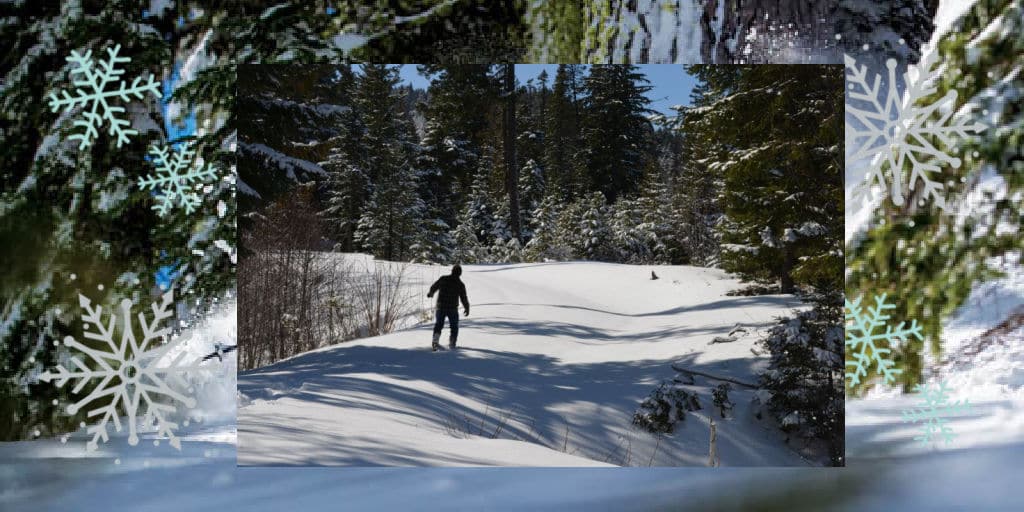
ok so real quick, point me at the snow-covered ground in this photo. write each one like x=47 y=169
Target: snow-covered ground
x=554 y=359
x=885 y=470
x=983 y=364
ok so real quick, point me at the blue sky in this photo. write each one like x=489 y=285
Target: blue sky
x=671 y=85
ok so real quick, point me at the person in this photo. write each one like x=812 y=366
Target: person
x=450 y=289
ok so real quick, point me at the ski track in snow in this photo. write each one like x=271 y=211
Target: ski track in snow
x=548 y=348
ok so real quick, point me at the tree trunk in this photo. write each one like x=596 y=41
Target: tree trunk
x=511 y=169
x=786 y=276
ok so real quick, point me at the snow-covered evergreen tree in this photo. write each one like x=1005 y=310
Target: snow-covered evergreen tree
x=501 y=230
x=780 y=130
x=475 y=230
x=547 y=242
x=929 y=260
x=392 y=217
x=660 y=222
x=347 y=185
x=433 y=242
x=584 y=226
x=615 y=128
x=462 y=101
x=290 y=119
x=531 y=192
x=393 y=214
x=562 y=165
x=696 y=189
x=804 y=379
x=73 y=218
x=632 y=238
x=466 y=247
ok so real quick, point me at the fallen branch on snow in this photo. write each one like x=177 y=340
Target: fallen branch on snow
x=715 y=377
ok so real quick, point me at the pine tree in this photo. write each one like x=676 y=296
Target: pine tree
x=531 y=193
x=474 y=232
x=347 y=184
x=466 y=246
x=697 y=189
x=546 y=242
x=928 y=260
x=696 y=199
x=67 y=211
x=532 y=114
x=501 y=228
x=509 y=135
x=387 y=132
x=782 y=173
x=633 y=238
x=805 y=374
x=659 y=222
x=663 y=192
x=462 y=103
x=433 y=242
x=585 y=227
x=615 y=128
x=292 y=120
x=562 y=134
x=393 y=213
x=392 y=216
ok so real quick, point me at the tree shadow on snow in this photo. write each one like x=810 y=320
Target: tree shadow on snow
x=579 y=333
x=533 y=389
x=726 y=303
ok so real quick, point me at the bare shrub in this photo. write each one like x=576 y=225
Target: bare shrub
x=462 y=426
x=291 y=296
x=294 y=298
x=380 y=297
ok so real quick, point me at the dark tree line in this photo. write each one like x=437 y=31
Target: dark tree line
x=480 y=167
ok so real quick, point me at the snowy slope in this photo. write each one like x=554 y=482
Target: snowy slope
x=982 y=342
x=555 y=358
x=46 y=475
x=983 y=363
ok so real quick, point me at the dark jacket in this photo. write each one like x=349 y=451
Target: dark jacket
x=450 y=290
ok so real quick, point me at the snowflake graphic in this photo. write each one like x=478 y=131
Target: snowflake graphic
x=893 y=130
x=861 y=340
x=175 y=177
x=931 y=412
x=91 y=81
x=130 y=373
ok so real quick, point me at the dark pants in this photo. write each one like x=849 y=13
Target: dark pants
x=453 y=322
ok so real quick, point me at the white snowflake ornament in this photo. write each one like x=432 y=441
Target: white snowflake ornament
x=862 y=340
x=932 y=411
x=143 y=377
x=178 y=175
x=91 y=82
x=894 y=130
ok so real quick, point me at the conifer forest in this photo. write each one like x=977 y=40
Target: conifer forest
x=483 y=168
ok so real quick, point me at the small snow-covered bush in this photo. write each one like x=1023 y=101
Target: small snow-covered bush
x=755 y=289
x=666 y=406
x=805 y=375
x=720 y=396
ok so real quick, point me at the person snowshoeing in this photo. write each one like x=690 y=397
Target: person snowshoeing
x=450 y=290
